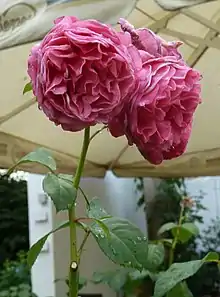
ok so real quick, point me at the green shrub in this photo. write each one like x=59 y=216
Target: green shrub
x=15 y=280
x=22 y=290
x=14 y=273
x=13 y=218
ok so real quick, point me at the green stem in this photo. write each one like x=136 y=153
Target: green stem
x=83 y=244
x=74 y=274
x=175 y=240
x=82 y=159
x=171 y=256
x=84 y=195
x=97 y=132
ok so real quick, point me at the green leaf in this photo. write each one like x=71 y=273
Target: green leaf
x=174 y=275
x=40 y=156
x=135 y=281
x=211 y=257
x=67 y=177
x=139 y=275
x=27 y=88
x=101 y=225
x=114 y=279
x=166 y=227
x=82 y=283
x=185 y=232
x=167 y=241
x=155 y=257
x=191 y=228
x=95 y=210
x=37 y=247
x=60 y=190
x=177 y=273
x=126 y=245
x=180 y=290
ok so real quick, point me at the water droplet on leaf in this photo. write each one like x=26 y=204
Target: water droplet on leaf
x=114 y=251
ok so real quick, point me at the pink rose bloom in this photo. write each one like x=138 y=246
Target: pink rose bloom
x=81 y=73
x=146 y=40
x=158 y=116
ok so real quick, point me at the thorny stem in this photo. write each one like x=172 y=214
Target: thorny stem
x=175 y=240
x=74 y=273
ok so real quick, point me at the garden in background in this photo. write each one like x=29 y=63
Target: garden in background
x=15 y=280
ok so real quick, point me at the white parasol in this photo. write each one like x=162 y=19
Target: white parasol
x=23 y=127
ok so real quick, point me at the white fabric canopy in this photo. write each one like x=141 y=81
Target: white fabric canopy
x=23 y=127
x=176 y=4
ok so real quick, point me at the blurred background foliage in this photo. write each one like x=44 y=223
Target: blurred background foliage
x=164 y=207
x=15 y=280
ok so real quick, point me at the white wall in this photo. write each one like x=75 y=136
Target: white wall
x=210 y=187
x=118 y=197
x=40 y=223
